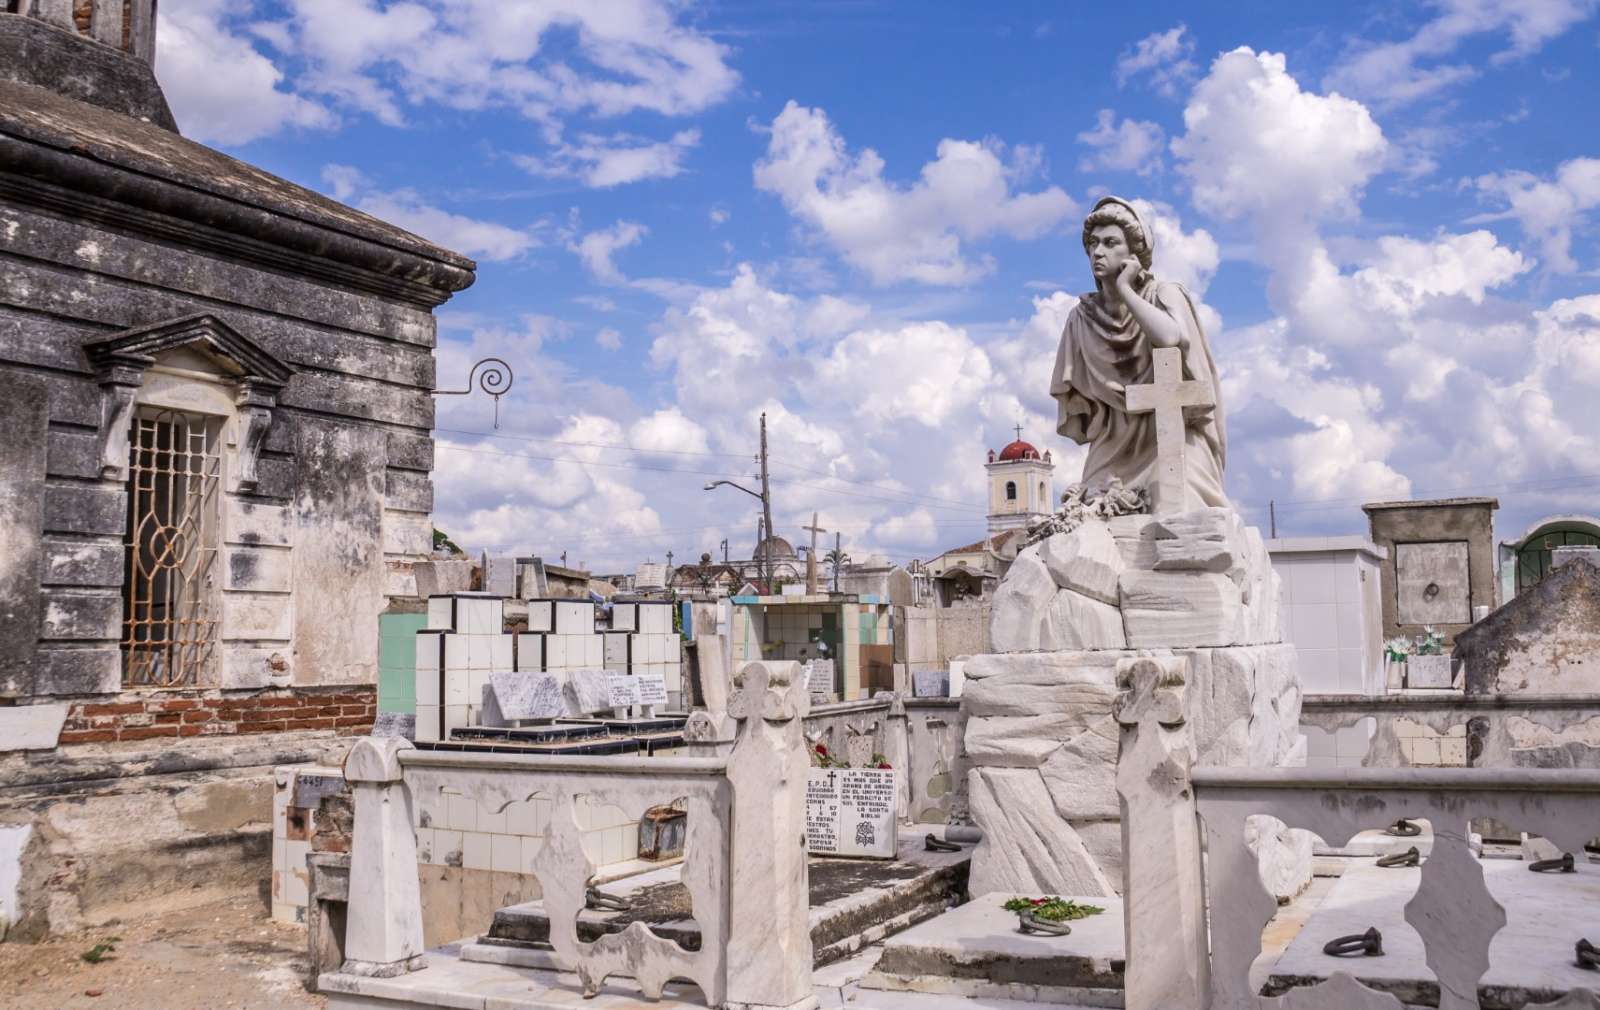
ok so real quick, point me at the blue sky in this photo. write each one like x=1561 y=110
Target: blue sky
x=862 y=217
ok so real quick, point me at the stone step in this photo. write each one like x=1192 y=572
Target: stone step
x=854 y=903
x=977 y=952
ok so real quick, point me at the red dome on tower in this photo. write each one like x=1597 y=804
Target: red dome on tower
x=1018 y=450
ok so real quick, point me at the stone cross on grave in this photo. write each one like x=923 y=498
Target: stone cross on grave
x=1167 y=396
x=811 y=556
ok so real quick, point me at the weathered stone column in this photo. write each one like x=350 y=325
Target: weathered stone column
x=383 y=928
x=1164 y=922
x=769 y=934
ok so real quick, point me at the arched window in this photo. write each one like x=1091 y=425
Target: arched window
x=1044 y=499
x=1534 y=557
x=1011 y=490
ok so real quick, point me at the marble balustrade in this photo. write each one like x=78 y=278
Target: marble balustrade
x=1194 y=924
x=744 y=850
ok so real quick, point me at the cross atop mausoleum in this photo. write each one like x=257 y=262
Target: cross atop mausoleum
x=1167 y=396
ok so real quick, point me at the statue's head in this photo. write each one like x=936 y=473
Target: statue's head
x=1112 y=233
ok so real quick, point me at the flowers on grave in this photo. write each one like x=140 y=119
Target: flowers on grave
x=1397 y=649
x=1430 y=642
x=1052 y=908
x=821 y=757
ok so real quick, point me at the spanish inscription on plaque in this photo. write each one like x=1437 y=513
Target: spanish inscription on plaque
x=624 y=690
x=819 y=677
x=652 y=688
x=851 y=812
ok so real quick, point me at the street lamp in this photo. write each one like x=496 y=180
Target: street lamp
x=765 y=561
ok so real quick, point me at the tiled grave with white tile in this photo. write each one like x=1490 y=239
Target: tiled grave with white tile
x=464 y=647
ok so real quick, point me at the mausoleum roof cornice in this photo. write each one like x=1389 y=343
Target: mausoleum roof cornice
x=92 y=163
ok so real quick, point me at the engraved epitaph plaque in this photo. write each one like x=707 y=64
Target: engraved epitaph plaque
x=851 y=812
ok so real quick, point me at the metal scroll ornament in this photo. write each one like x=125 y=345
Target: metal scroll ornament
x=493 y=376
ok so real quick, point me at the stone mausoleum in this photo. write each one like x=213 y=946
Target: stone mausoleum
x=216 y=398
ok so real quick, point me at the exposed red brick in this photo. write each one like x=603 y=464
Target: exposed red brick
x=353 y=720
x=311 y=723
x=199 y=715
x=87 y=736
x=354 y=709
x=178 y=705
x=148 y=732
x=116 y=708
x=262 y=727
x=168 y=718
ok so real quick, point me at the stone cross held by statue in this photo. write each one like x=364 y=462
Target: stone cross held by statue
x=1167 y=396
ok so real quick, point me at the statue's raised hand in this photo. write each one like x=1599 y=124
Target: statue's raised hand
x=1127 y=274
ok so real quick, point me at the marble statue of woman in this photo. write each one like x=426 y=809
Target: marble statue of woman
x=1105 y=347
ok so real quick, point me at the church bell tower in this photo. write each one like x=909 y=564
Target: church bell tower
x=1021 y=486
x=101 y=52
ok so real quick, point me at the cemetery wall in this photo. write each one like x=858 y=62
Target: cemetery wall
x=110 y=831
x=1423 y=731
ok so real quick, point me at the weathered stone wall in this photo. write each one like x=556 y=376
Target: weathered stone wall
x=119 y=829
x=1550 y=731
x=132 y=236
x=1545 y=641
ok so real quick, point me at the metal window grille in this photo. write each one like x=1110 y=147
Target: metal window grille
x=168 y=623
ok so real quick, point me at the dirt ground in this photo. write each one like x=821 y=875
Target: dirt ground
x=223 y=955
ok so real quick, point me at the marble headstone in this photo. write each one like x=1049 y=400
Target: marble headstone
x=589 y=691
x=521 y=696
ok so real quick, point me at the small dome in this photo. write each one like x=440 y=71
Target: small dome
x=774 y=547
x=1018 y=450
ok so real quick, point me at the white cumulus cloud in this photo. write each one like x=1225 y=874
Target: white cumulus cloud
x=1129 y=146
x=898 y=232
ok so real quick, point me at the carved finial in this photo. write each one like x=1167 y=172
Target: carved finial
x=1151 y=687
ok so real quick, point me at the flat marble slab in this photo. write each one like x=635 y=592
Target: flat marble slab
x=978 y=945
x=1530 y=960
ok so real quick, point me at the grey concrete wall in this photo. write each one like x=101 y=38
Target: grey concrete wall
x=1468 y=520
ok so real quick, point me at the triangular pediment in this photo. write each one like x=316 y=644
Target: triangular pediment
x=204 y=334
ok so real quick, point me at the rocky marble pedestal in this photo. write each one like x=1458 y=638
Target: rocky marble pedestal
x=1040 y=735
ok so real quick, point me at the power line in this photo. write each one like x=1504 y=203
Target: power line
x=592 y=445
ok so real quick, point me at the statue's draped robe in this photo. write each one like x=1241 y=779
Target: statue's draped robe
x=1102 y=352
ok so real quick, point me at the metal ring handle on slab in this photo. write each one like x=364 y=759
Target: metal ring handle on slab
x=1410 y=857
x=1369 y=944
x=1563 y=864
x=933 y=843
x=1588 y=955
x=1403 y=829
x=1029 y=924
x=601 y=901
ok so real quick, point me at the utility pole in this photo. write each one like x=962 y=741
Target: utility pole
x=1272 y=514
x=761 y=539
x=724 y=551
x=766 y=496
x=811 y=556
